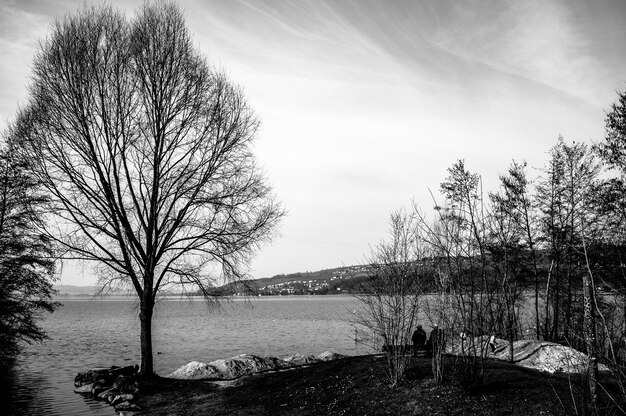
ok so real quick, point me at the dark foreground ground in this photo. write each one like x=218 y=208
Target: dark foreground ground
x=357 y=386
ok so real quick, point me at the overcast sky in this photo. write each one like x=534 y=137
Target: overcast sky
x=365 y=104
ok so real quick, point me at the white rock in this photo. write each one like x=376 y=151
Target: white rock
x=84 y=389
x=195 y=371
x=245 y=364
x=539 y=355
x=299 y=359
x=329 y=356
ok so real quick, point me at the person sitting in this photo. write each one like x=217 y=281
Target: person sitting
x=436 y=340
x=419 y=339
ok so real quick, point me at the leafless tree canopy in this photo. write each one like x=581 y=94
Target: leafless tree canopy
x=390 y=295
x=146 y=150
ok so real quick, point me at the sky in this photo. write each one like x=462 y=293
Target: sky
x=365 y=104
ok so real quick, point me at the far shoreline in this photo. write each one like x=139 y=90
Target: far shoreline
x=198 y=298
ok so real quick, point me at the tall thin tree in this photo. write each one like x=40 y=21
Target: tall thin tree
x=27 y=256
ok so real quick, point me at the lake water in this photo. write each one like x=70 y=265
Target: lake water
x=92 y=333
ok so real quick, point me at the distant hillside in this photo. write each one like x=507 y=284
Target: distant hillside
x=71 y=290
x=323 y=282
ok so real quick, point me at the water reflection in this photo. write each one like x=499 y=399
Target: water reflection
x=16 y=397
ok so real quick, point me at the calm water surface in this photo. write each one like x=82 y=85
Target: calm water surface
x=91 y=333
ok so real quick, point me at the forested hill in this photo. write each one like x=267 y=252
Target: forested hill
x=323 y=282
x=72 y=290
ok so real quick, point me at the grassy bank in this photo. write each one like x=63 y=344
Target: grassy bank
x=357 y=385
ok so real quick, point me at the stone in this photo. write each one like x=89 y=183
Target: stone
x=118 y=381
x=128 y=370
x=230 y=368
x=89 y=376
x=330 y=356
x=108 y=393
x=98 y=387
x=84 y=389
x=122 y=398
x=129 y=385
x=246 y=364
x=78 y=380
x=126 y=406
x=243 y=365
x=299 y=359
x=196 y=371
x=544 y=356
x=104 y=375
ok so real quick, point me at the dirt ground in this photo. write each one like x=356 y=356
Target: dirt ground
x=357 y=385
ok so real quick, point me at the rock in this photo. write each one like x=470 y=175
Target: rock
x=129 y=386
x=97 y=389
x=553 y=358
x=299 y=359
x=119 y=380
x=108 y=393
x=104 y=375
x=129 y=370
x=245 y=364
x=196 y=371
x=230 y=368
x=78 y=380
x=84 y=389
x=126 y=406
x=330 y=356
x=122 y=398
x=539 y=355
x=126 y=384
x=89 y=376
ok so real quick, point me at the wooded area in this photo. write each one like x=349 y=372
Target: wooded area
x=539 y=258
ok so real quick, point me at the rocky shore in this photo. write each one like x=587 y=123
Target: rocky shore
x=120 y=386
x=116 y=385
x=128 y=394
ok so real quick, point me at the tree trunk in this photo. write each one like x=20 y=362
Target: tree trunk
x=546 y=331
x=145 y=317
x=537 y=325
x=568 y=306
x=590 y=340
x=557 y=295
x=511 y=331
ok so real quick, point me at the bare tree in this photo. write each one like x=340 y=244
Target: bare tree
x=580 y=228
x=146 y=152
x=390 y=294
x=505 y=247
x=521 y=209
x=550 y=198
x=474 y=302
